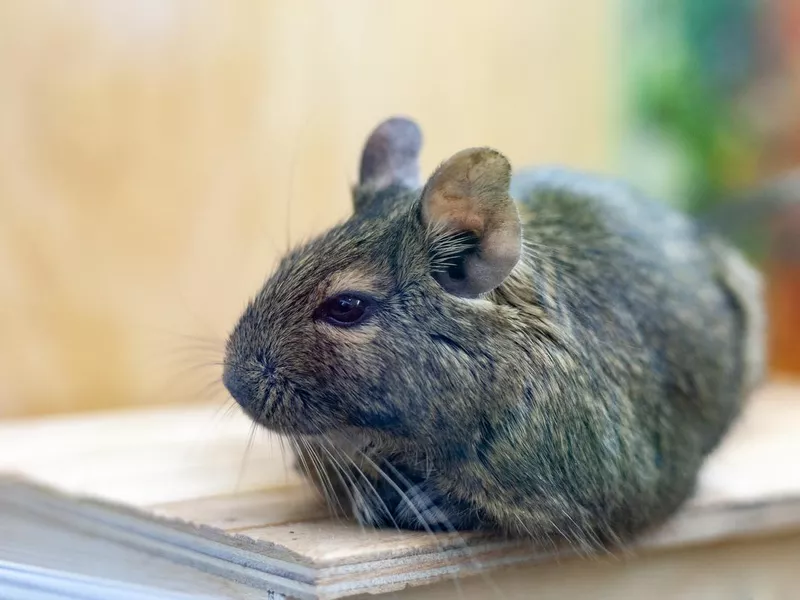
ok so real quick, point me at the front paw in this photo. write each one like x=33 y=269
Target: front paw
x=423 y=509
x=418 y=507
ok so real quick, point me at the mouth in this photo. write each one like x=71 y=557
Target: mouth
x=262 y=408
x=281 y=410
x=275 y=402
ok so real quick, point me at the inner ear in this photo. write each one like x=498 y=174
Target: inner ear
x=473 y=223
x=449 y=252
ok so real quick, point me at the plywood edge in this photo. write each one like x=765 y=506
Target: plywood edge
x=239 y=559
x=269 y=567
x=695 y=526
x=19 y=581
x=748 y=489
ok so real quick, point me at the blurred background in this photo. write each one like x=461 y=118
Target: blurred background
x=157 y=156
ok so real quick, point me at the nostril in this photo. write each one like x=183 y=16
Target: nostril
x=267 y=366
x=237 y=387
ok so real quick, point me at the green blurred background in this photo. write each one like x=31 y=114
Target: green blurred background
x=711 y=122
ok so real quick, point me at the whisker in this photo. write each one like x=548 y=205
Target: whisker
x=480 y=567
x=323 y=484
x=282 y=444
x=301 y=456
x=213 y=387
x=420 y=518
x=224 y=410
x=371 y=488
x=342 y=473
x=195 y=348
x=577 y=542
x=192 y=337
x=325 y=479
x=572 y=540
x=246 y=455
x=193 y=368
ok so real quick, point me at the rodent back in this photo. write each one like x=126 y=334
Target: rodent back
x=632 y=271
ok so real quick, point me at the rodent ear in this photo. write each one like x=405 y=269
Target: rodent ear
x=473 y=221
x=391 y=155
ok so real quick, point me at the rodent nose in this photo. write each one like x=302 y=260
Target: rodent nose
x=237 y=386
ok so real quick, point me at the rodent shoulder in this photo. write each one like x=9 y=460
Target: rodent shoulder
x=623 y=262
x=584 y=216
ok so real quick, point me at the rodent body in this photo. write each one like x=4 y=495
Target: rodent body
x=557 y=369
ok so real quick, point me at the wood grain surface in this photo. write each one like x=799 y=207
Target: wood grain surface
x=175 y=483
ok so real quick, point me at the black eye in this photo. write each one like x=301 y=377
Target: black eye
x=345 y=309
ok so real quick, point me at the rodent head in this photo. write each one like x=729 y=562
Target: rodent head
x=382 y=324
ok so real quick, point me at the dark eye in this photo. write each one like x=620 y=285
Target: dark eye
x=345 y=309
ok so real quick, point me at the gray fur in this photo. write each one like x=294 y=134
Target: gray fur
x=391 y=155
x=575 y=401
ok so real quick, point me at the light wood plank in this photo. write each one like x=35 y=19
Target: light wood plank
x=63 y=558
x=248 y=511
x=273 y=535
x=763 y=569
x=144 y=457
x=23 y=582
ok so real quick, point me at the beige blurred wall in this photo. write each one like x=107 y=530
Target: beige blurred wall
x=155 y=155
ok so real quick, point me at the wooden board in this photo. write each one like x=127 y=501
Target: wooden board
x=182 y=484
x=23 y=582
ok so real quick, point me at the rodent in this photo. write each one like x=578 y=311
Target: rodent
x=549 y=355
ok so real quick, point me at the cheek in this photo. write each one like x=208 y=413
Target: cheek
x=343 y=338
x=347 y=356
